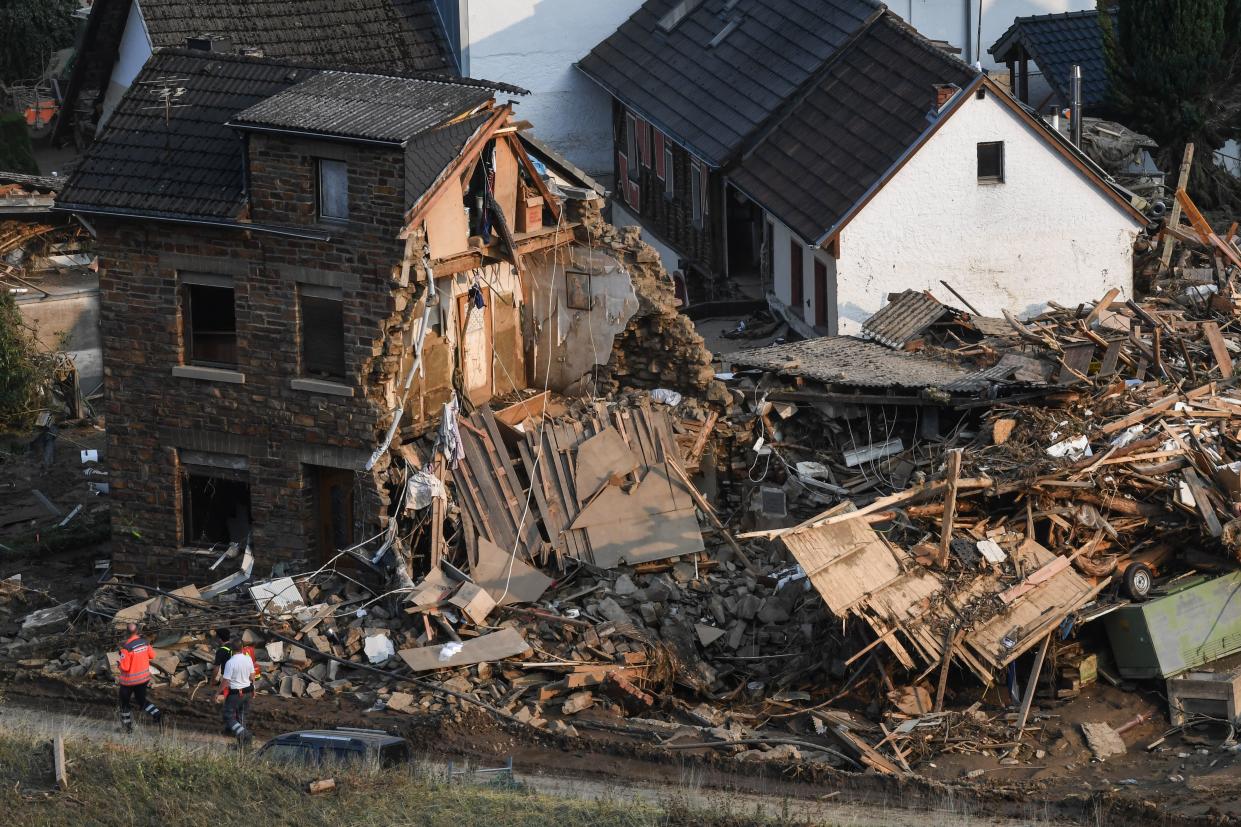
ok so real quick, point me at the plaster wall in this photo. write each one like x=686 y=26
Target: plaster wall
x=533 y=44
x=1045 y=233
x=134 y=51
x=782 y=241
x=946 y=20
x=622 y=217
x=70 y=323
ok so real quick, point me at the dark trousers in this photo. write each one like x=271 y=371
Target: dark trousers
x=236 y=705
x=128 y=695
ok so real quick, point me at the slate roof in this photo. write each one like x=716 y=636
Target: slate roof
x=430 y=153
x=852 y=126
x=1055 y=42
x=711 y=98
x=372 y=107
x=182 y=161
x=390 y=36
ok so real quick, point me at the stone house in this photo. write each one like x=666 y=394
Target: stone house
x=299 y=268
x=828 y=162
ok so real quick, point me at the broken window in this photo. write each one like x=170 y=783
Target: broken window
x=215 y=506
x=631 y=145
x=333 y=189
x=695 y=192
x=209 y=321
x=323 y=332
x=991 y=162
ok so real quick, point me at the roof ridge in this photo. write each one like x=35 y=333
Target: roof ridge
x=905 y=29
x=1061 y=15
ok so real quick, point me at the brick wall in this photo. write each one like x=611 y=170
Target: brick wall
x=279 y=429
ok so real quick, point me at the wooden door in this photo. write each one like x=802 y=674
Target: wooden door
x=820 y=294
x=474 y=346
x=334 y=505
x=797 y=295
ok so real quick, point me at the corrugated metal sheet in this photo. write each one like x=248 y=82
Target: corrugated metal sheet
x=374 y=107
x=903 y=319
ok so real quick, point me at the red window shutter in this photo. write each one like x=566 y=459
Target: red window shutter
x=622 y=168
x=659 y=154
x=634 y=195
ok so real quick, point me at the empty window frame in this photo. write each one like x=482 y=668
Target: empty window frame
x=208 y=321
x=991 y=162
x=322 y=314
x=797 y=284
x=631 y=145
x=669 y=185
x=215 y=505
x=333 y=190
x=697 y=185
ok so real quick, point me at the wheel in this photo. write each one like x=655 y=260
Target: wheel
x=1138 y=581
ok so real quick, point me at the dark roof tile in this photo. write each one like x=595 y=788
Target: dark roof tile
x=1057 y=41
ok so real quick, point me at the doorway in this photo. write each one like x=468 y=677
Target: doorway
x=745 y=243
x=474 y=331
x=334 y=501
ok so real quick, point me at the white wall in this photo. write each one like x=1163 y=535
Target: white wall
x=622 y=217
x=782 y=239
x=534 y=44
x=134 y=52
x=1045 y=233
x=945 y=19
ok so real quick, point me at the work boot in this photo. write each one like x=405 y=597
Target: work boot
x=127 y=722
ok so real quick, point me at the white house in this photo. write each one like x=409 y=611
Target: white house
x=891 y=164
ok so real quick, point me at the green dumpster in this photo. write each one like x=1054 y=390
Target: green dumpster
x=1195 y=624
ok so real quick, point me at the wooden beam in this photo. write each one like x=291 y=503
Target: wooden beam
x=58 y=763
x=952 y=476
x=1174 y=218
x=1028 y=698
x=950 y=643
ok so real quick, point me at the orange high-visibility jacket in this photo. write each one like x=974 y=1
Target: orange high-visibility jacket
x=136 y=657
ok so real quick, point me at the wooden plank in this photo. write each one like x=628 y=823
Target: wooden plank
x=507 y=483
x=953 y=474
x=950 y=643
x=705 y=508
x=1203 y=501
x=549 y=515
x=1028 y=698
x=1222 y=357
x=505 y=643
x=1174 y=218
x=1110 y=356
x=59 y=766
x=1142 y=414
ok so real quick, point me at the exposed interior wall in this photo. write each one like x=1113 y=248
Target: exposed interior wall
x=533 y=44
x=134 y=52
x=579 y=338
x=69 y=322
x=1045 y=233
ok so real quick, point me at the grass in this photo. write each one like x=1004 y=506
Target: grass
x=175 y=783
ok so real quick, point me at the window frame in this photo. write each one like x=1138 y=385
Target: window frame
x=321 y=165
x=316 y=293
x=697 y=183
x=669 y=178
x=998 y=177
x=189 y=284
x=631 y=146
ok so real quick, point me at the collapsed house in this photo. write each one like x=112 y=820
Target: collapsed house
x=301 y=268
x=794 y=179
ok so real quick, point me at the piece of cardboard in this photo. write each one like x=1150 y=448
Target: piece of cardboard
x=600 y=458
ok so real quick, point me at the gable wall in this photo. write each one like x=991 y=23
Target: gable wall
x=1045 y=234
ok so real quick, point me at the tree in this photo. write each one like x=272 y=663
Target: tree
x=1175 y=74
x=30 y=31
x=24 y=368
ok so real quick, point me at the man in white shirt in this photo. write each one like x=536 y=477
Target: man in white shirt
x=236 y=690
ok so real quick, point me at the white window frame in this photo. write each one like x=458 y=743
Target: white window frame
x=669 y=185
x=631 y=145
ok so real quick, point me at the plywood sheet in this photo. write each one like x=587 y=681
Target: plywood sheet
x=505 y=643
x=603 y=456
x=641 y=540
x=497 y=569
x=844 y=561
x=652 y=496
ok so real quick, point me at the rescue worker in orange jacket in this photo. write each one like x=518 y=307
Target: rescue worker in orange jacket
x=135 y=677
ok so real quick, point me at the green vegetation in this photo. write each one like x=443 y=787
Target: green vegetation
x=31 y=30
x=178 y=785
x=16 y=154
x=1175 y=72
x=24 y=368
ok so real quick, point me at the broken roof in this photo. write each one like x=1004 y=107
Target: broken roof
x=32 y=183
x=723 y=67
x=903 y=318
x=1057 y=41
x=369 y=107
x=844 y=360
x=872 y=105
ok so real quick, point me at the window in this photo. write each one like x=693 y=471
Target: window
x=669 y=186
x=631 y=145
x=797 y=286
x=820 y=293
x=991 y=162
x=209 y=321
x=322 y=314
x=695 y=192
x=333 y=190
x=215 y=506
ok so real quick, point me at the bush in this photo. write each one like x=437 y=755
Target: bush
x=16 y=154
x=24 y=368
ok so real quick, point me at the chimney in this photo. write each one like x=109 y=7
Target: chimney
x=1075 y=113
x=944 y=92
x=208 y=42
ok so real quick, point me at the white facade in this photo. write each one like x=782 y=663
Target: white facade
x=534 y=44
x=782 y=271
x=134 y=52
x=956 y=21
x=1046 y=233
